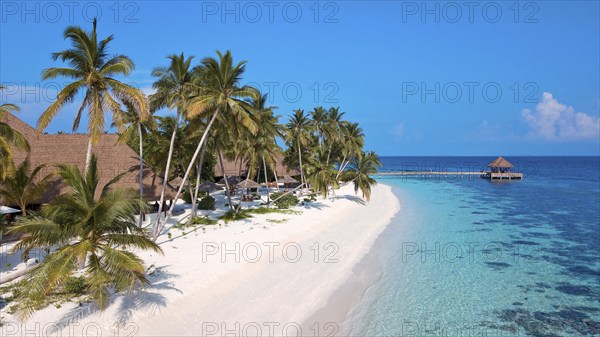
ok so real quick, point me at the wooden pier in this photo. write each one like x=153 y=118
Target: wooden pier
x=430 y=173
x=501 y=176
x=500 y=169
x=467 y=174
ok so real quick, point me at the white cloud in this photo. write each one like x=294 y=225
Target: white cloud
x=555 y=121
x=398 y=130
x=148 y=90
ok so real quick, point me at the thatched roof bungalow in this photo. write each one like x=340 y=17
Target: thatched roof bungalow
x=113 y=158
x=500 y=165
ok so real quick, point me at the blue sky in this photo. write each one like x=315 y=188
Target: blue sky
x=422 y=78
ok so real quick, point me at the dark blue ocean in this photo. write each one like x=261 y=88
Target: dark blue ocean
x=470 y=257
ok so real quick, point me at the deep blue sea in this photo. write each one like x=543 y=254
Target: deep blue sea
x=471 y=257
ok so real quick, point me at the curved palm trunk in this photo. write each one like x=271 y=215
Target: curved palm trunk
x=157 y=226
x=275 y=174
x=141 y=173
x=341 y=167
x=301 y=170
x=88 y=156
x=266 y=182
x=224 y=175
x=198 y=175
x=187 y=173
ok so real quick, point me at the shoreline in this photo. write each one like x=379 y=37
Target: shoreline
x=268 y=274
x=366 y=273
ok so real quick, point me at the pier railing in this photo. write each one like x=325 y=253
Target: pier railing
x=467 y=174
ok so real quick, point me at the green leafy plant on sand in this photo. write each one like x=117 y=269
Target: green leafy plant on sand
x=87 y=229
x=76 y=285
x=286 y=201
x=265 y=210
x=232 y=215
x=277 y=220
x=74 y=288
x=199 y=220
x=207 y=203
x=204 y=221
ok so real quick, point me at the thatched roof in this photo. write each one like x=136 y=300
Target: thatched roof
x=248 y=183
x=288 y=180
x=209 y=186
x=232 y=168
x=500 y=162
x=113 y=158
x=176 y=182
x=231 y=180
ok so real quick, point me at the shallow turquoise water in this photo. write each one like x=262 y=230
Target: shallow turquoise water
x=467 y=257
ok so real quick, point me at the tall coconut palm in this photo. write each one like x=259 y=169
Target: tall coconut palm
x=298 y=132
x=24 y=186
x=174 y=85
x=261 y=148
x=333 y=129
x=220 y=95
x=97 y=230
x=9 y=138
x=319 y=121
x=320 y=173
x=134 y=126
x=361 y=171
x=352 y=144
x=93 y=72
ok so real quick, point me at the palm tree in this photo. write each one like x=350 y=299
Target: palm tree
x=262 y=148
x=96 y=230
x=298 y=129
x=333 y=128
x=360 y=172
x=220 y=95
x=93 y=71
x=199 y=128
x=9 y=138
x=24 y=186
x=134 y=126
x=320 y=173
x=352 y=144
x=319 y=119
x=173 y=87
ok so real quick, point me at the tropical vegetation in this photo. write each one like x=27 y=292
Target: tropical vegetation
x=198 y=116
x=93 y=71
x=25 y=186
x=89 y=234
x=10 y=140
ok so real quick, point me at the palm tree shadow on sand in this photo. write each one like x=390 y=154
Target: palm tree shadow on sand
x=315 y=205
x=139 y=300
x=356 y=199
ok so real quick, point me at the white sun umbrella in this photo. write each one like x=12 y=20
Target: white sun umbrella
x=8 y=210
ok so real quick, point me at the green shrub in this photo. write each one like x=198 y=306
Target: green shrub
x=203 y=221
x=186 y=196
x=76 y=285
x=207 y=203
x=286 y=201
x=232 y=215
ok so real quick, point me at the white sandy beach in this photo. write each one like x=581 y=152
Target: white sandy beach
x=262 y=276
